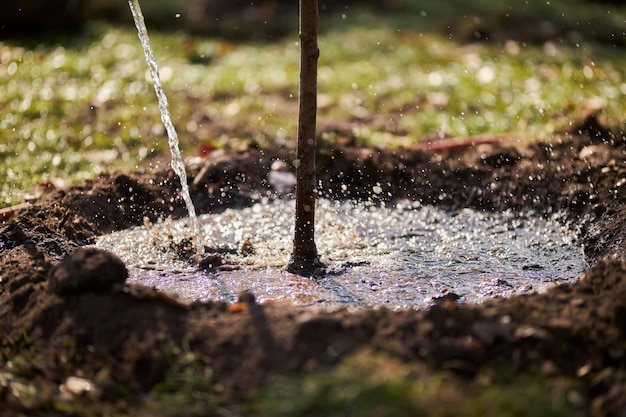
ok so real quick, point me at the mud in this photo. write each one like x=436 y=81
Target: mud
x=117 y=336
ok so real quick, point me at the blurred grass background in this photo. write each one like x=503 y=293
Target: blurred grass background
x=77 y=103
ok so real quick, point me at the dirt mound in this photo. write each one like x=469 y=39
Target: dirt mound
x=76 y=331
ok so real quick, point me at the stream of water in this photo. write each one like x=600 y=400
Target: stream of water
x=398 y=257
x=177 y=160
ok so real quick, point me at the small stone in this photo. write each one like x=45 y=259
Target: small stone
x=87 y=269
x=246 y=297
x=77 y=385
x=74 y=387
x=584 y=370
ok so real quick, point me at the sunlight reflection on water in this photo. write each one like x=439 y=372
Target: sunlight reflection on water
x=399 y=257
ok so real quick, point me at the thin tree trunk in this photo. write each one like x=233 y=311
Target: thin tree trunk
x=304 y=258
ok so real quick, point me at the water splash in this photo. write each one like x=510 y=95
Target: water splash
x=177 y=161
x=397 y=257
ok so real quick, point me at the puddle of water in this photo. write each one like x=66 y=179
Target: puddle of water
x=398 y=257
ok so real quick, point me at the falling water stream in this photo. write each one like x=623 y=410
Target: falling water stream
x=397 y=257
x=177 y=161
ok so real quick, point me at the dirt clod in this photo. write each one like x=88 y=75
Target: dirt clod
x=87 y=269
x=207 y=261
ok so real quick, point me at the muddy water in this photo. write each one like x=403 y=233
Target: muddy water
x=399 y=257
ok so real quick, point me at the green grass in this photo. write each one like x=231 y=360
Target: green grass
x=77 y=106
x=365 y=384
x=186 y=390
x=373 y=385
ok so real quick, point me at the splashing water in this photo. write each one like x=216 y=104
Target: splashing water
x=177 y=161
x=397 y=257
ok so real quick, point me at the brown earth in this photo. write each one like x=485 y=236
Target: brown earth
x=63 y=324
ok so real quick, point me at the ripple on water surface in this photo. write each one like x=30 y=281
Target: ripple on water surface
x=397 y=257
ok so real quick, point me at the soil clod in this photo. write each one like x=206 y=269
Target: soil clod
x=207 y=261
x=87 y=269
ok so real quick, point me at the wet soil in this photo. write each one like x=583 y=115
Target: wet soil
x=67 y=313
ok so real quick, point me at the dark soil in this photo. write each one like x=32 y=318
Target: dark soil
x=77 y=318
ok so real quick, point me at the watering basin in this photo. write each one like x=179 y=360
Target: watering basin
x=399 y=257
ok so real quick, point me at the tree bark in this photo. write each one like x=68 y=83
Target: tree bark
x=304 y=258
